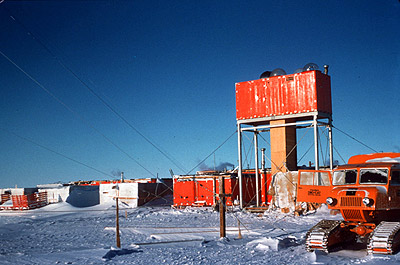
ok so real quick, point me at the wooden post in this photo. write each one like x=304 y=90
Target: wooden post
x=117 y=224
x=222 y=223
x=240 y=232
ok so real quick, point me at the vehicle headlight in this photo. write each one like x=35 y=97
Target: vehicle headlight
x=330 y=201
x=367 y=201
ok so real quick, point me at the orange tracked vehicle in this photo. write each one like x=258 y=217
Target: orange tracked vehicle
x=366 y=191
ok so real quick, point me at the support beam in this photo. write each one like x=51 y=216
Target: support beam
x=330 y=145
x=283 y=146
x=239 y=132
x=222 y=200
x=316 y=152
x=256 y=168
x=260 y=127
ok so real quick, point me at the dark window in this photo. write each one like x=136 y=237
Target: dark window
x=395 y=178
x=373 y=176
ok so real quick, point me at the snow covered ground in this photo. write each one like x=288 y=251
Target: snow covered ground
x=62 y=234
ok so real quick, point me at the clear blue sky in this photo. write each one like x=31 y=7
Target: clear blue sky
x=170 y=68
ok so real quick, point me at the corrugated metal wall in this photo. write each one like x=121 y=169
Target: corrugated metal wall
x=281 y=95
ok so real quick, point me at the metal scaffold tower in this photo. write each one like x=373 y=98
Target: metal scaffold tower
x=280 y=105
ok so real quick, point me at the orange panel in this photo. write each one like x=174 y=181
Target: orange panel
x=204 y=191
x=281 y=95
x=310 y=190
x=265 y=183
x=183 y=193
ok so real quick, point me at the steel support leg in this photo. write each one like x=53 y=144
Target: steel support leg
x=330 y=145
x=239 y=131
x=316 y=153
x=256 y=167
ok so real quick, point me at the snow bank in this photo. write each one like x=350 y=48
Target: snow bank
x=385 y=159
x=119 y=252
x=264 y=244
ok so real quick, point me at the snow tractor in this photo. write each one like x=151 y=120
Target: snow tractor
x=366 y=191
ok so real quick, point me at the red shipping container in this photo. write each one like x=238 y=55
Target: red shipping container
x=198 y=190
x=282 y=95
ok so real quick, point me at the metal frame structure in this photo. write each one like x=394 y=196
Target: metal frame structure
x=258 y=125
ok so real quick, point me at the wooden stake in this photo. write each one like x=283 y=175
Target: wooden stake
x=240 y=232
x=117 y=224
x=222 y=223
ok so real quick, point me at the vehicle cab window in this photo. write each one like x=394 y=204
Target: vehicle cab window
x=344 y=177
x=373 y=176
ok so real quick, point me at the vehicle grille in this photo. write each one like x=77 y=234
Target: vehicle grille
x=350 y=201
x=352 y=215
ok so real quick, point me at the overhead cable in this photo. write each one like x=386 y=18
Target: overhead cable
x=344 y=161
x=73 y=112
x=111 y=108
x=355 y=139
x=215 y=150
x=53 y=151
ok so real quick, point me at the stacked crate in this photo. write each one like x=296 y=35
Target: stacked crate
x=5 y=197
x=30 y=201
